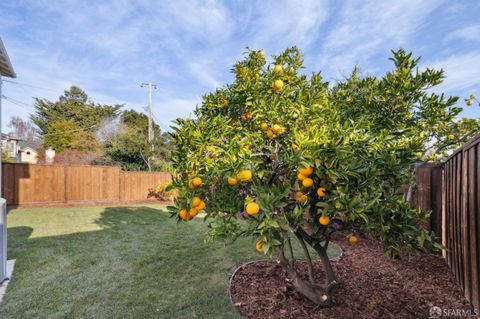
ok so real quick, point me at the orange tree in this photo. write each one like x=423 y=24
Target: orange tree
x=279 y=156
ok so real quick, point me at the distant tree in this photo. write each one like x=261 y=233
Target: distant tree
x=71 y=122
x=129 y=147
x=22 y=129
x=5 y=157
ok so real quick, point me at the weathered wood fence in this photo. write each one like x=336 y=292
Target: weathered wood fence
x=452 y=192
x=461 y=217
x=28 y=184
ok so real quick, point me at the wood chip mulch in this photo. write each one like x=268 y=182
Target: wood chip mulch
x=372 y=286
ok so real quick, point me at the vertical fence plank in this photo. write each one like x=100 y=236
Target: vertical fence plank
x=454 y=219
x=448 y=218
x=436 y=201
x=460 y=243
x=465 y=226
x=473 y=220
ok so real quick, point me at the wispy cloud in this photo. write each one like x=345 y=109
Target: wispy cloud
x=462 y=72
x=365 y=30
x=468 y=33
x=188 y=47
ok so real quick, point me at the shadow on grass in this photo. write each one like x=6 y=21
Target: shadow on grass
x=140 y=264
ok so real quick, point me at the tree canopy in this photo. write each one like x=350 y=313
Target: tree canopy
x=71 y=121
x=129 y=147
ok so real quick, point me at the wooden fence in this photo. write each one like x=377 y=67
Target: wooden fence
x=452 y=192
x=428 y=194
x=27 y=184
x=461 y=217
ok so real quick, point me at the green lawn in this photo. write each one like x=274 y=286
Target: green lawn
x=117 y=262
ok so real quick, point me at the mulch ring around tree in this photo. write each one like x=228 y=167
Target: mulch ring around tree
x=372 y=286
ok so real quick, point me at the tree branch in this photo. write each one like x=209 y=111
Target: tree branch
x=307 y=256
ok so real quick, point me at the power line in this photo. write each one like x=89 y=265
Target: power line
x=30 y=85
x=17 y=103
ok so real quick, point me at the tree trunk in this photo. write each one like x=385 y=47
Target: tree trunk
x=315 y=293
x=321 y=295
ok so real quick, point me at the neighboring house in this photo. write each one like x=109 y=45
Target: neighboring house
x=28 y=151
x=10 y=144
x=21 y=151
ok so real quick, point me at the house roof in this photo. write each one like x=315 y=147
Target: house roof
x=34 y=145
x=6 y=68
x=10 y=137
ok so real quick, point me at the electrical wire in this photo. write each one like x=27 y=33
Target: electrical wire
x=23 y=105
x=30 y=85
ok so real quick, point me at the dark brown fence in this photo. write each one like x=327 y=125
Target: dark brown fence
x=26 y=184
x=427 y=194
x=462 y=200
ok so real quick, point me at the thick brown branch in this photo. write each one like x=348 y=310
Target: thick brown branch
x=307 y=256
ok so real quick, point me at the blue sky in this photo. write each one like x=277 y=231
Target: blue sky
x=188 y=47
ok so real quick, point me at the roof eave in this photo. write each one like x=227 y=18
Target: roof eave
x=6 y=68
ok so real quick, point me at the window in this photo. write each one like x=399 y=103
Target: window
x=28 y=153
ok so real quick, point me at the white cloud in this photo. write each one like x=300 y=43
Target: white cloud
x=365 y=28
x=469 y=33
x=462 y=72
x=279 y=24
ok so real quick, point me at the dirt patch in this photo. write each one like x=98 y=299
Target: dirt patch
x=371 y=286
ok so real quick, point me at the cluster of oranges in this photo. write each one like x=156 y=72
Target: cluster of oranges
x=245 y=175
x=272 y=131
x=197 y=205
x=303 y=175
x=246 y=116
x=277 y=84
x=307 y=182
x=195 y=182
x=242 y=176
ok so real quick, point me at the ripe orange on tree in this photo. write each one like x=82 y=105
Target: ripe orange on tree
x=244 y=175
x=196 y=201
x=324 y=220
x=183 y=214
x=306 y=171
x=232 y=181
x=307 y=182
x=259 y=246
x=301 y=197
x=193 y=212
x=201 y=206
x=252 y=208
x=196 y=181
x=277 y=85
x=321 y=192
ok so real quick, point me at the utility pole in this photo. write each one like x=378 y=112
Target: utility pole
x=150 y=121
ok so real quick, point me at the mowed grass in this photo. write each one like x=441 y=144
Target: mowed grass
x=118 y=262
